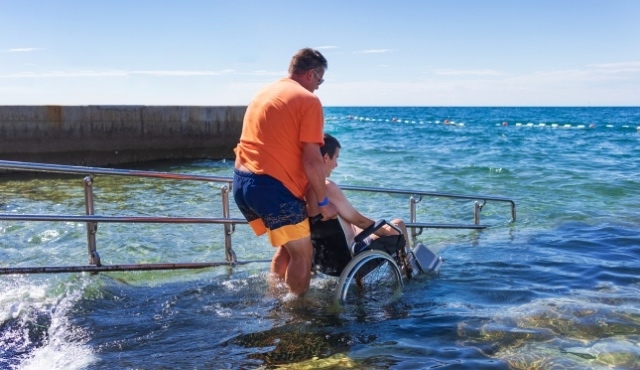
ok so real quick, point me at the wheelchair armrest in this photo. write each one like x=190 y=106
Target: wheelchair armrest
x=373 y=228
x=369 y=230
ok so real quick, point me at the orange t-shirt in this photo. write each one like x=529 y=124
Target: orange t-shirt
x=281 y=117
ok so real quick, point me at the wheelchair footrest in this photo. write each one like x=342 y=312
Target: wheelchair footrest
x=423 y=259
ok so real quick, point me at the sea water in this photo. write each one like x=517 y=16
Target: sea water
x=558 y=288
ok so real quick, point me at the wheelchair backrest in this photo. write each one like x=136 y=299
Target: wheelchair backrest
x=330 y=249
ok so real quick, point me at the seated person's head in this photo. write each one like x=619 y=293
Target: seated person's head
x=330 y=147
x=330 y=152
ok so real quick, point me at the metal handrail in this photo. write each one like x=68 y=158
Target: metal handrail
x=93 y=220
x=85 y=170
x=416 y=196
x=123 y=219
x=228 y=223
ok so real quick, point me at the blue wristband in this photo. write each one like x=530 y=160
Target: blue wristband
x=324 y=202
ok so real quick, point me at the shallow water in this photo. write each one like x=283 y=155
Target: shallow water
x=557 y=289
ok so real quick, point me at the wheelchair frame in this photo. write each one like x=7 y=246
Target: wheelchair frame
x=376 y=271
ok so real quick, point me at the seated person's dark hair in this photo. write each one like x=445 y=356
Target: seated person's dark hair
x=330 y=146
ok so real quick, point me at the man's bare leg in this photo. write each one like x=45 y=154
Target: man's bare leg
x=298 y=273
x=280 y=262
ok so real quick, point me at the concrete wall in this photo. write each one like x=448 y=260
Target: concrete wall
x=113 y=135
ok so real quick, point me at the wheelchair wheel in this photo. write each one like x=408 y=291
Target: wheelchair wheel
x=370 y=278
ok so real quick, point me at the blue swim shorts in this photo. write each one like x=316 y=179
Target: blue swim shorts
x=270 y=207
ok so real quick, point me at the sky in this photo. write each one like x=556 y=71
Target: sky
x=380 y=53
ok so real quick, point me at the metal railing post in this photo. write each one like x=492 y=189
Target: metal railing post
x=92 y=227
x=476 y=213
x=230 y=255
x=412 y=216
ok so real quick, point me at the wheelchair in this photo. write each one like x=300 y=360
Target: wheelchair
x=371 y=272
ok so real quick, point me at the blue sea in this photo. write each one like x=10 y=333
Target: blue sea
x=558 y=288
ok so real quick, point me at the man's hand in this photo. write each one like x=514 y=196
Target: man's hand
x=328 y=212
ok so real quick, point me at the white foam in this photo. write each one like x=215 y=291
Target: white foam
x=17 y=296
x=64 y=346
x=63 y=355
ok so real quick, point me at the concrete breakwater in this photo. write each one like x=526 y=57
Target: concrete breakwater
x=114 y=135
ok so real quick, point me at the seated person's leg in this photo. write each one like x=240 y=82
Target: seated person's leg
x=388 y=230
x=400 y=224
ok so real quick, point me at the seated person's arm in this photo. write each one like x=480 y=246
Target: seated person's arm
x=348 y=212
x=345 y=208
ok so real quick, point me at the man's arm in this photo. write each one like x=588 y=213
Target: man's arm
x=314 y=169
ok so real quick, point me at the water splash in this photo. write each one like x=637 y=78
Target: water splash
x=36 y=331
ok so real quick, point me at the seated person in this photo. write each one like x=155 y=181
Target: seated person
x=352 y=221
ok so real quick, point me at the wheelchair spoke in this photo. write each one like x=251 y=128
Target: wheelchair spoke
x=372 y=277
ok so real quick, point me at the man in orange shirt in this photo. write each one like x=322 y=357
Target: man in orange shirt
x=277 y=158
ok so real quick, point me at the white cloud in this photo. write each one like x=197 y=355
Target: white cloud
x=603 y=84
x=466 y=72
x=19 y=50
x=65 y=74
x=621 y=67
x=265 y=73
x=597 y=84
x=183 y=73
x=373 y=51
x=121 y=73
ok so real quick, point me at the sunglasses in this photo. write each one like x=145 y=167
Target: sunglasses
x=320 y=80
